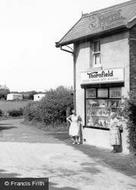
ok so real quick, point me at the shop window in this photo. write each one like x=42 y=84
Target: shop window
x=115 y=92
x=102 y=93
x=99 y=107
x=96 y=54
x=91 y=93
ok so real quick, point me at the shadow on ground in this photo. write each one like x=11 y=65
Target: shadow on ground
x=6 y=127
x=123 y=163
x=52 y=186
x=4 y=174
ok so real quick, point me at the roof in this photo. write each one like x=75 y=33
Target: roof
x=102 y=21
x=16 y=94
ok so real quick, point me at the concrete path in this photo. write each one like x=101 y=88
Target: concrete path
x=26 y=151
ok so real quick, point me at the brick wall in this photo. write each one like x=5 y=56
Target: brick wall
x=132 y=51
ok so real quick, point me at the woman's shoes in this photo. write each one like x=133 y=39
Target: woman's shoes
x=75 y=142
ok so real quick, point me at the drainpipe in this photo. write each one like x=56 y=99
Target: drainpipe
x=74 y=72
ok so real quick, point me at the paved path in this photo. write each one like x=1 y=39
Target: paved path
x=26 y=151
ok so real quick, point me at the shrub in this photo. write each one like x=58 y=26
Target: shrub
x=31 y=111
x=130 y=114
x=15 y=113
x=54 y=105
x=1 y=113
x=52 y=108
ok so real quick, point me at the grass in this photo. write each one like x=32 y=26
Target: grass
x=12 y=105
x=48 y=128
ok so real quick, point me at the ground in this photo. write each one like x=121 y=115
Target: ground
x=27 y=151
x=6 y=106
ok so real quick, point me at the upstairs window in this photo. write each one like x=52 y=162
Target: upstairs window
x=96 y=54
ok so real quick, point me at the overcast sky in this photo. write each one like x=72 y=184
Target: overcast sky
x=28 y=32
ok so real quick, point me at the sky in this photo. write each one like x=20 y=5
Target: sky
x=29 y=29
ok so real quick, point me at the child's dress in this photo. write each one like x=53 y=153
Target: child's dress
x=74 y=126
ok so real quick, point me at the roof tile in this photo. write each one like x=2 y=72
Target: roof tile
x=99 y=21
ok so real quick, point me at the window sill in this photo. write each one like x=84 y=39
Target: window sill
x=92 y=127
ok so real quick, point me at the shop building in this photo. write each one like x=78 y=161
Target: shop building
x=104 y=51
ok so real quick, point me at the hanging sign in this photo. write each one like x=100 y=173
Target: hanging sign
x=103 y=76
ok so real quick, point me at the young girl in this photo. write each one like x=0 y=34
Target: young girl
x=74 y=128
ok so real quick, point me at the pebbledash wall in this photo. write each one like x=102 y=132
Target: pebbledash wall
x=104 y=68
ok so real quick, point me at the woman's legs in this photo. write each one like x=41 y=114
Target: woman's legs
x=73 y=139
x=77 y=139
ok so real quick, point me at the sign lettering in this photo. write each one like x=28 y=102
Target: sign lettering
x=103 y=76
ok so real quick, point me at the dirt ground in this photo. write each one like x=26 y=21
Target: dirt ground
x=27 y=151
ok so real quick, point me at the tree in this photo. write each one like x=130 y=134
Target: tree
x=4 y=90
x=29 y=95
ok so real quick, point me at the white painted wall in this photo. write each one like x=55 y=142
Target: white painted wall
x=13 y=96
x=115 y=54
x=82 y=63
x=38 y=97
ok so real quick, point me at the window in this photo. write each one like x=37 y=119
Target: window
x=96 y=54
x=115 y=93
x=102 y=93
x=99 y=103
x=91 y=93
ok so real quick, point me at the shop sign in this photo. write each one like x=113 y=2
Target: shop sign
x=103 y=76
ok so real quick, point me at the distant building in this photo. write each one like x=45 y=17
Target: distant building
x=14 y=96
x=38 y=97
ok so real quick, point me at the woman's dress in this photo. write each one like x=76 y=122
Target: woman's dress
x=114 y=132
x=74 y=126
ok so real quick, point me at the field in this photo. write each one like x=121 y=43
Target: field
x=12 y=105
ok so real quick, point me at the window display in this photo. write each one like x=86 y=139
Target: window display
x=91 y=93
x=102 y=93
x=98 y=110
x=115 y=92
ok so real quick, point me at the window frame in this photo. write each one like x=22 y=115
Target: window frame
x=96 y=53
x=98 y=98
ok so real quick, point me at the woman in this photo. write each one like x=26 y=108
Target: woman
x=115 y=137
x=74 y=127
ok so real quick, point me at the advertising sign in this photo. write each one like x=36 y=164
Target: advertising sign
x=103 y=76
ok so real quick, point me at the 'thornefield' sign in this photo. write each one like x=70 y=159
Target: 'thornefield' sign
x=102 y=76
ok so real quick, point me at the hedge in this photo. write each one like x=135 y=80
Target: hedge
x=130 y=114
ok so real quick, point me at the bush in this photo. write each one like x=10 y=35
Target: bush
x=1 y=113
x=52 y=108
x=31 y=111
x=130 y=114
x=15 y=113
